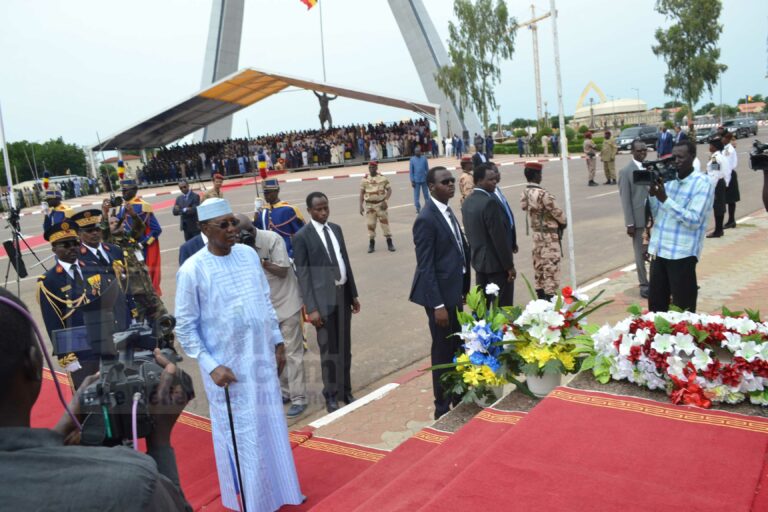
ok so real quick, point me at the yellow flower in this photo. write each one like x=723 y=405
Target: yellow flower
x=543 y=355
x=567 y=359
x=463 y=360
x=472 y=375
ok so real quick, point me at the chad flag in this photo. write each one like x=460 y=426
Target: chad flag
x=309 y=3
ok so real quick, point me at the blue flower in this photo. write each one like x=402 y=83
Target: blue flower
x=477 y=358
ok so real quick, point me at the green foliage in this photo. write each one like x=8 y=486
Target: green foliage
x=545 y=131
x=634 y=310
x=54 y=155
x=662 y=325
x=689 y=47
x=706 y=109
x=522 y=123
x=570 y=133
x=680 y=114
x=753 y=314
x=520 y=133
x=583 y=129
x=483 y=37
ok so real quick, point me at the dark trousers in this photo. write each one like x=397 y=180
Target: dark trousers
x=675 y=279
x=335 y=348
x=506 y=289
x=445 y=344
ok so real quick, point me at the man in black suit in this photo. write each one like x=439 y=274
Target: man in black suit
x=191 y=246
x=479 y=157
x=328 y=288
x=487 y=227
x=186 y=207
x=442 y=275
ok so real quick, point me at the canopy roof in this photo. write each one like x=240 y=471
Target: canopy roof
x=227 y=96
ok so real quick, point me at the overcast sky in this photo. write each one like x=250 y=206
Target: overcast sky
x=71 y=69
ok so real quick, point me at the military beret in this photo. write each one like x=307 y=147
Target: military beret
x=218 y=176
x=373 y=163
x=466 y=159
x=534 y=165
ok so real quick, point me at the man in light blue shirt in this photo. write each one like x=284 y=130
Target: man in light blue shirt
x=418 y=172
x=680 y=209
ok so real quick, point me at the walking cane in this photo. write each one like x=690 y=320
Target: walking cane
x=234 y=446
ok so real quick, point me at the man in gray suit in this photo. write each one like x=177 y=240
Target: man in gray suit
x=634 y=198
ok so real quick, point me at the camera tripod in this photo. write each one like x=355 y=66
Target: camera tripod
x=13 y=249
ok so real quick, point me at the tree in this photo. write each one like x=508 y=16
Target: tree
x=689 y=46
x=55 y=156
x=485 y=35
x=680 y=114
x=706 y=109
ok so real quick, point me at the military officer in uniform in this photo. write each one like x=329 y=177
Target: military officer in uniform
x=466 y=182
x=608 y=156
x=278 y=216
x=148 y=240
x=547 y=222
x=138 y=282
x=57 y=211
x=375 y=191
x=63 y=289
x=218 y=181
x=106 y=257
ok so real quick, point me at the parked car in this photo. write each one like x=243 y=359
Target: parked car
x=741 y=127
x=704 y=135
x=648 y=134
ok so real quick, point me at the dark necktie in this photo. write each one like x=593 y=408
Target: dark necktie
x=456 y=230
x=101 y=258
x=77 y=287
x=332 y=253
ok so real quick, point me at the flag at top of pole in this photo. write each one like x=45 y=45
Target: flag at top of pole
x=309 y=3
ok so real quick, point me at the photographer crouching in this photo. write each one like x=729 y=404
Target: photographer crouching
x=41 y=470
x=680 y=208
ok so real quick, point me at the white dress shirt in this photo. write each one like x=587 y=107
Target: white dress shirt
x=320 y=228
x=70 y=268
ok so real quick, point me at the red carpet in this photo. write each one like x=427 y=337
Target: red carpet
x=324 y=465
x=589 y=451
x=420 y=479
x=348 y=496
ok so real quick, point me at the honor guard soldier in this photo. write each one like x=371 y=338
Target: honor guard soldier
x=63 y=289
x=57 y=211
x=374 y=194
x=278 y=216
x=466 y=182
x=138 y=282
x=547 y=221
x=148 y=240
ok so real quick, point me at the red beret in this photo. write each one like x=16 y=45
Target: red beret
x=218 y=176
x=466 y=159
x=373 y=162
x=534 y=165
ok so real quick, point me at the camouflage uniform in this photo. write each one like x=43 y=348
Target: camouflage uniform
x=375 y=190
x=466 y=185
x=545 y=219
x=590 y=151
x=138 y=282
x=608 y=156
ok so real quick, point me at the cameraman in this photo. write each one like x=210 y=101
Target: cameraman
x=679 y=209
x=39 y=472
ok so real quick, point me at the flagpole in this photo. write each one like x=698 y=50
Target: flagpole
x=322 y=39
x=7 y=162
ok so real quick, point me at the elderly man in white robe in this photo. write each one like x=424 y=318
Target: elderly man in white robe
x=225 y=320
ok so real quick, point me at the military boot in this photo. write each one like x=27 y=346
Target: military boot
x=371 y=246
x=390 y=245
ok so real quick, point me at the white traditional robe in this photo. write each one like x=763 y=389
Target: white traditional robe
x=224 y=316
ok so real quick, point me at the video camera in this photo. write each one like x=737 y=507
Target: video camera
x=654 y=170
x=115 y=201
x=128 y=370
x=758 y=158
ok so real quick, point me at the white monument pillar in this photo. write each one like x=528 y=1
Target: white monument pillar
x=428 y=56
x=222 y=56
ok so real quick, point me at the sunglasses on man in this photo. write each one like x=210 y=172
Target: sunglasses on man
x=224 y=224
x=448 y=181
x=67 y=244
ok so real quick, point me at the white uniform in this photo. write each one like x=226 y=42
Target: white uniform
x=224 y=316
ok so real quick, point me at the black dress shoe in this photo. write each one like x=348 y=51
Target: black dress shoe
x=348 y=398
x=331 y=405
x=715 y=234
x=607 y=182
x=593 y=184
x=644 y=294
x=730 y=225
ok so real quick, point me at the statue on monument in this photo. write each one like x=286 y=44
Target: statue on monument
x=325 y=112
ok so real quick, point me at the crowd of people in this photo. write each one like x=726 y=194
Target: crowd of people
x=246 y=284
x=290 y=150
